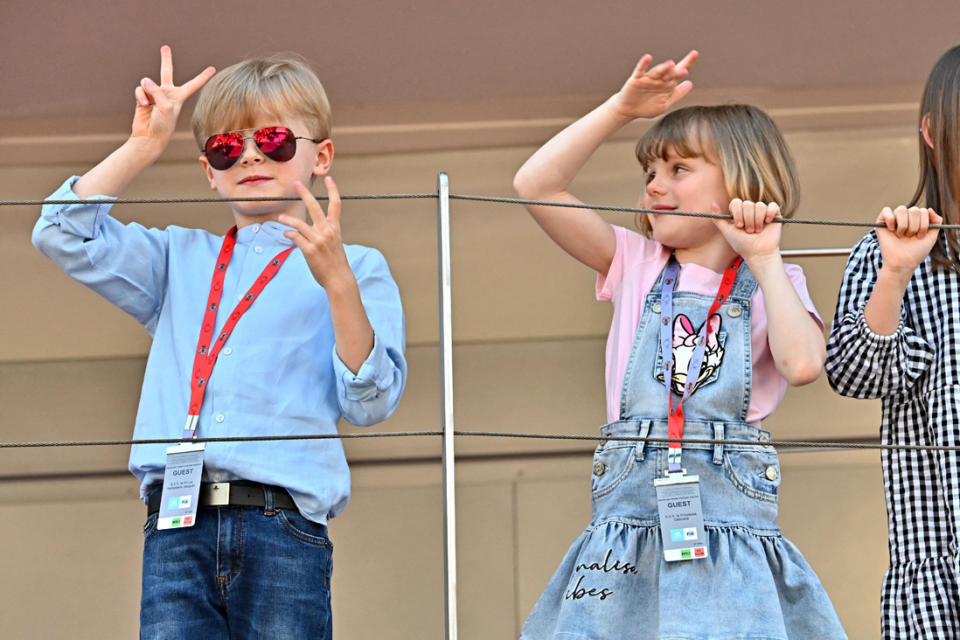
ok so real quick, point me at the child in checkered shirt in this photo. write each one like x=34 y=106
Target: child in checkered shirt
x=896 y=336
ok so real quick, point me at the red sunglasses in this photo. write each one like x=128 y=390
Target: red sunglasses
x=277 y=143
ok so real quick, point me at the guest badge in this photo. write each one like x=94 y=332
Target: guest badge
x=681 y=517
x=181 y=486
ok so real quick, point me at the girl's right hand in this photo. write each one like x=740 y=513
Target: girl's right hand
x=158 y=105
x=906 y=239
x=647 y=93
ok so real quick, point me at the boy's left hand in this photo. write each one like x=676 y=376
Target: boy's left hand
x=321 y=242
x=751 y=233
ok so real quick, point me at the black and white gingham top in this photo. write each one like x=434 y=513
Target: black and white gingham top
x=916 y=371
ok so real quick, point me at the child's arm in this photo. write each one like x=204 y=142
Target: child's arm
x=547 y=173
x=375 y=359
x=872 y=350
x=904 y=244
x=124 y=263
x=796 y=340
x=154 y=122
x=322 y=248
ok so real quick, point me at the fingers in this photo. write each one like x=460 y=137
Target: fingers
x=689 y=59
x=166 y=66
x=662 y=71
x=887 y=219
x=154 y=93
x=313 y=207
x=736 y=210
x=901 y=216
x=666 y=68
x=193 y=85
x=141 y=97
x=682 y=89
x=299 y=224
x=908 y=222
x=924 y=223
x=752 y=217
x=333 y=205
x=166 y=76
x=641 y=67
x=773 y=212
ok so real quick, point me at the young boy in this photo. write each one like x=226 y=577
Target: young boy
x=295 y=330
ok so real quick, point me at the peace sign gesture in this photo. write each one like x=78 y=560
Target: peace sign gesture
x=321 y=242
x=158 y=105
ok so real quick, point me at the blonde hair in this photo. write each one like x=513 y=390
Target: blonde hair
x=742 y=139
x=281 y=83
x=939 y=183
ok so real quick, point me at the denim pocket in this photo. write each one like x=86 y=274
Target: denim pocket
x=754 y=472
x=709 y=369
x=611 y=464
x=303 y=529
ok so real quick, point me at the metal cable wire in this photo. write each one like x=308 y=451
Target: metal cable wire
x=453 y=196
x=850 y=443
x=99 y=201
x=691 y=214
x=796 y=444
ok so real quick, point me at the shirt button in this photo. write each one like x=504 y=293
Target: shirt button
x=771 y=473
x=258 y=249
x=256 y=228
x=764 y=437
x=227 y=351
x=656 y=307
x=220 y=418
x=734 y=311
x=599 y=469
x=217 y=477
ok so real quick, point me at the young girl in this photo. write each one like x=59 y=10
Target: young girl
x=725 y=336
x=896 y=336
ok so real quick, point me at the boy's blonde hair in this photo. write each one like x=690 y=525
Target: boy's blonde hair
x=742 y=139
x=280 y=83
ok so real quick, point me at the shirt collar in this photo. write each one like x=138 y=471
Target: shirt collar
x=270 y=231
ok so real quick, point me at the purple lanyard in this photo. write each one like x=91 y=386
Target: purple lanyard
x=675 y=416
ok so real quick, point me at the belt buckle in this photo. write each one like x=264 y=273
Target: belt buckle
x=215 y=494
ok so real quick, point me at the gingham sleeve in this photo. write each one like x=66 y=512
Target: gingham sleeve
x=861 y=363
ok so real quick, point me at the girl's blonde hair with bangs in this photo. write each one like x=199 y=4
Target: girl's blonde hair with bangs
x=233 y=98
x=742 y=139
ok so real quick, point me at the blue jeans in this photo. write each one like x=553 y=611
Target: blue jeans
x=240 y=572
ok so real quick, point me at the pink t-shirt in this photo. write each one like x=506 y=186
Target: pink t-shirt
x=636 y=266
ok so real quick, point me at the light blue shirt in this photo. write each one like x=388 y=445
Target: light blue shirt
x=278 y=373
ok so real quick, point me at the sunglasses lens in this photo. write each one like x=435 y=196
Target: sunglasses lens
x=277 y=143
x=223 y=150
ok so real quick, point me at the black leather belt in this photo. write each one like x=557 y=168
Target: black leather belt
x=232 y=494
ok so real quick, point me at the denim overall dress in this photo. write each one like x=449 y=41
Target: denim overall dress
x=614 y=583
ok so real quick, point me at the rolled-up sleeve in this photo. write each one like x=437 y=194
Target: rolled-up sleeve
x=126 y=264
x=373 y=393
x=861 y=363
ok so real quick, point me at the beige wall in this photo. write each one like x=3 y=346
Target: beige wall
x=528 y=357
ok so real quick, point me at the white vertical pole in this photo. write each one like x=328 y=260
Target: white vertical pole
x=446 y=372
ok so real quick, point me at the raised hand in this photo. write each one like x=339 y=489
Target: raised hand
x=321 y=242
x=158 y=105
x=322 y=248
x=751 y=233
x=647 y=93
x=906 y=238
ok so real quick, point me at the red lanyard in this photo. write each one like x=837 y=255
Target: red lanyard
x=206 y=355
x=675 y=415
